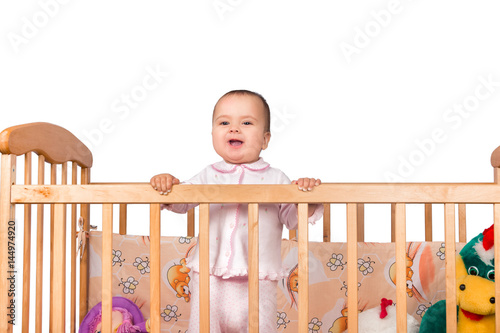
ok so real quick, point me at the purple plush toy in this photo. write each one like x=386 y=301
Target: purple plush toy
x=126 y=318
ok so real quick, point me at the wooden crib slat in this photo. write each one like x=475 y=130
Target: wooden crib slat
x=84 y=261
x=155 y=273
x=400 y=221
x=451 y=300
x=428 y=222
x=496 y=217
x=204 y=268
x=462 y=225
x=27 y=247
x=303 y=270
x=352 y=270
x=74 y=180
x=53 y=181
x=123 y=219
x=64 y=181
x=58 y=306
x=107 y=266
x=253 y=267
x=39 y=250
x=326 y=222
x=360 y=217
x=190 y=222
x=7 y=213
x=393 y=222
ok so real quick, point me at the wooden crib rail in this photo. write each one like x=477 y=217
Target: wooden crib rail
x=351 y=194
x=486 y=193
x=55 y=143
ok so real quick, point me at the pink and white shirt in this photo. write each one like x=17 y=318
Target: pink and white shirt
x=228 y=222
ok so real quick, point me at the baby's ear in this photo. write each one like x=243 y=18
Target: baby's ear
x=267 y=138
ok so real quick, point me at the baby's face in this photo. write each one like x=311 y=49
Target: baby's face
x=238 y=133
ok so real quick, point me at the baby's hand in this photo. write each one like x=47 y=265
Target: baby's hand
x=307 y=184
x=163 y=182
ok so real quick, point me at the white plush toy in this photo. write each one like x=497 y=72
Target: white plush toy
x=383 y=319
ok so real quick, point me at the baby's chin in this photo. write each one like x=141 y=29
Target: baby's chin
x=232 y=160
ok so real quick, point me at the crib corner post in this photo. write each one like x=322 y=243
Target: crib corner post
x=7 y=225
x=496 y=219
x=84 y=259
x=496 y=175
x=495 y=163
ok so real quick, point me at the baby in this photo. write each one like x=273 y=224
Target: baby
x=240 y=131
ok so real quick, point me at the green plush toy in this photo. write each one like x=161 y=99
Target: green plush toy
x=475 y=290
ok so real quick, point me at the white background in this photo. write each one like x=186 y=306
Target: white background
x=357 y=88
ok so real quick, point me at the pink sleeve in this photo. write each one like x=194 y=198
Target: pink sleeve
x=178 y=208
x=288 y=215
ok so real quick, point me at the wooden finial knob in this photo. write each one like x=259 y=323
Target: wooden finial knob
x=495 y=158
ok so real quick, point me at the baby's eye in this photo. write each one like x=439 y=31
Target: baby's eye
x=224 y=123
x=247 y=123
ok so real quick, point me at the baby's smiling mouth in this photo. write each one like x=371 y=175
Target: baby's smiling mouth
x=235 y=143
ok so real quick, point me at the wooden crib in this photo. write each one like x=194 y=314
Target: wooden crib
x=55 y=145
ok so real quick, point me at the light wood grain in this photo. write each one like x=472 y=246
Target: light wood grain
x=190 y=222
x=27 y=248
x=84 y=260
x=326 y=222
x=6 y=214
x=326 y=193
x=155 y=274
x=58 y=300
x=400 y=232
x=123 y=219
x=253 y=267
x=53 y=181
x=303 y=269
x=360 y=217
x=428 y=222
x=352 y=270
x=462 y=223
x=393 y=222
x=39 y=251
x=74 y=180
x=496 y=217
x=450 y=263
x=204 y=268
x=107 y=267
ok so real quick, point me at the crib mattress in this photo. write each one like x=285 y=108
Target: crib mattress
x=327 y=279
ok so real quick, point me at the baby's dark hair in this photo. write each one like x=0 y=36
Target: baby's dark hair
x=267 y=112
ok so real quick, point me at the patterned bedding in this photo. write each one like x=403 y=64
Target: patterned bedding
x=327 y=279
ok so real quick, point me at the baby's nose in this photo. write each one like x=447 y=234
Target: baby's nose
x=234 y=129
